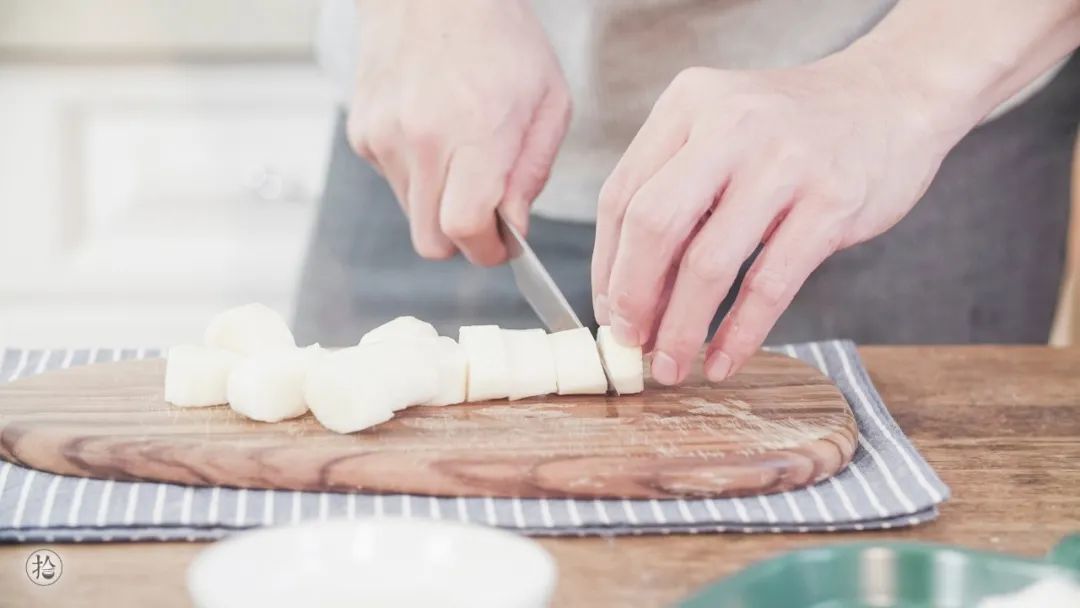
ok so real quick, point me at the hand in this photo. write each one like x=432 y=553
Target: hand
x=462 y=107
x=806 y=161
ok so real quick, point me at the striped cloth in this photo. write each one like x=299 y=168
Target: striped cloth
x=888 y=484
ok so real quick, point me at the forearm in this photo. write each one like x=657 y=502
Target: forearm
x=959 y=59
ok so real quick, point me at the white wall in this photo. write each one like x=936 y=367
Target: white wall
x=140 y=193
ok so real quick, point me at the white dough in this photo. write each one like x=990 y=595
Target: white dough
x=269 y=386
x=623 y=362
x=198 y=376
x=249 y=329
x=453 y=367
x=449 y=360
x=399 y=329
x=577 y=363
x=532 y=366
x=359 y=387
x=489 y=375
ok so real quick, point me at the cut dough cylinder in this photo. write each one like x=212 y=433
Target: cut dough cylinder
x=489 y=376
x=249 y=329
x=269 y=386
x=400 y=328
x=453 y=366
x=450 y=361
x=532 y=366
x=624 y=363
x=198 y=376
x=577 y=363
x=355 y=388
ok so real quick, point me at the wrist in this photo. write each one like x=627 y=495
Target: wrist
x=939 y=100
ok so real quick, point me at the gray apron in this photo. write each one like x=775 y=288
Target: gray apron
x=979 y=259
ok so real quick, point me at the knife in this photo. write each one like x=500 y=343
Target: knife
x=539 y=289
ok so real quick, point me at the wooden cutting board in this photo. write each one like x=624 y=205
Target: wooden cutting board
x=777 y=425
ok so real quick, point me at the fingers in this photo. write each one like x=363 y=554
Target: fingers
x=654 y=145
x=475 y=185
x=738 y=224
x=395 y=170
x=450 y=192
x=665 y=297
x=802 y=241
x=374 y=138
x=426 y=180
x=659 y=220
x=538 y=150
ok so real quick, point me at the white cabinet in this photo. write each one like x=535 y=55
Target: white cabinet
x=137 y=200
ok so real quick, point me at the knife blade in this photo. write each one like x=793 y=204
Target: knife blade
x=539 y=289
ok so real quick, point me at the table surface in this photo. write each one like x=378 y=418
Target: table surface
x=1000 y=424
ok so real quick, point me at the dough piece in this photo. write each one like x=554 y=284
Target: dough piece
x=355 y=388
x=449 y=360
x=453 y=371
x=532 y=366
x=249 y=329
x=198 y=376
x=270 y=386
x=577 y=363
x=489 y=376
x=624 y=363
x=399 y=329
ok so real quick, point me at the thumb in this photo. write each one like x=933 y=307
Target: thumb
x=538 y=149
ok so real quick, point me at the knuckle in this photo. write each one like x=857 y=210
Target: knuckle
x=689 y=78
x=648 y=223
x=768 y=286
x=681 y=343
x=686 y=88
x=422 y=131
x=786 y=157
x=831 y=237
x=380 y=134
x=563 y=103
x=703 y=264
x=741 y=339
x=628 y=305
x=370 y=138
x=356 y=134
x=460 y=226
x=608 y=204
x=838 y=194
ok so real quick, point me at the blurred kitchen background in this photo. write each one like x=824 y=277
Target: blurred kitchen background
x=162 y=160
x=159 y=161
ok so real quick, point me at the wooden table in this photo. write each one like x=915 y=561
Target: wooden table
x=1001 y=425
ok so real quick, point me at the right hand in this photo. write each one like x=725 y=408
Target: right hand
x=461 y=106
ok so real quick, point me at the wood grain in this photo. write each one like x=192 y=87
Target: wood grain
x=999 y=424
x=778 y=425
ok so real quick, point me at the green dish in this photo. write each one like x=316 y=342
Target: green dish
x=885 y=575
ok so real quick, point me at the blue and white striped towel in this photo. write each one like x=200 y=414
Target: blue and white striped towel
x=888 y=484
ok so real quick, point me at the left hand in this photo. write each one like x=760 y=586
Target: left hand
x=806 y=161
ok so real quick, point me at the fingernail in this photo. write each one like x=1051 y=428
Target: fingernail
x=600 y=309
x=623 y=331
x=716 y=370
x=664 y=369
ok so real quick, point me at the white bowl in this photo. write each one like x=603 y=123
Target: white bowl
x=373 y=562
